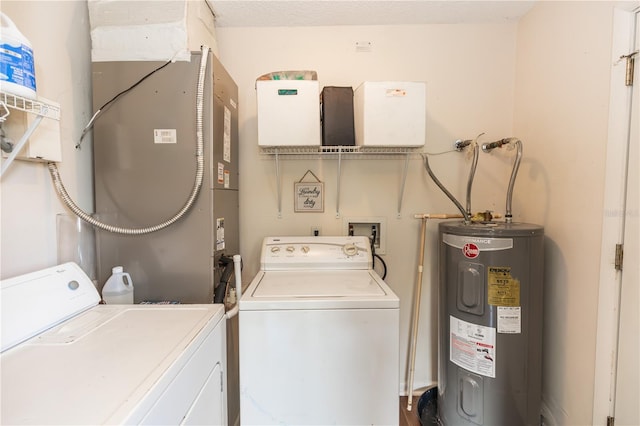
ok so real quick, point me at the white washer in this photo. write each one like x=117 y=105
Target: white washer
x=319 y=336
x=67 y=360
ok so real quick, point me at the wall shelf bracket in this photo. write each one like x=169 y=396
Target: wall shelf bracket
x=278 y=184
x=40 y=109
x=338 y=180
x=405 y=172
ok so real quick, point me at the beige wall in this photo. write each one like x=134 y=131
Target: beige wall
x=469 y=72
x=554 y=96
x=59 y=34
x=561 y=112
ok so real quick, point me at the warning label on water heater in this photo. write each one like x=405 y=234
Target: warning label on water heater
x=503 y=289
x=473 y=347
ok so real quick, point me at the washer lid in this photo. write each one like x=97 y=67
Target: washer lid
x=318 y=289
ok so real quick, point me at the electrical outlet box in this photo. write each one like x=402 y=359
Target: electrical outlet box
x=365 y=226
x=43 y=144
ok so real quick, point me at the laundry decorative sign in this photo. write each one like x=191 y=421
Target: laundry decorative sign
x=308 y=196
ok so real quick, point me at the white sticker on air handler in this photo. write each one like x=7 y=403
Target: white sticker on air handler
x=473 y=347
x=220 y=245
x=165 y=136
x=220 y=173
x=226 y=136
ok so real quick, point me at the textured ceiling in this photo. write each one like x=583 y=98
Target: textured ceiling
x=261 y=13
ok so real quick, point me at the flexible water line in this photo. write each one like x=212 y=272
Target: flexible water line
x=466 y=216
x=488 y=147
x=514 y=172
x=62 y=192
x=460 y=145
x=472 y=172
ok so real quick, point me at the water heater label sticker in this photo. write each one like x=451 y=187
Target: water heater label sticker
x=472 y=346
x=165 y=136
x=226 y=154
x=509 y=319
x=503 y=289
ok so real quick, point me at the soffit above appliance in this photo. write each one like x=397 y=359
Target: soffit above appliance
x=295 y=13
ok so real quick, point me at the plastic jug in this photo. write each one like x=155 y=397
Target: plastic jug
x=118 y=290
x=17 y=67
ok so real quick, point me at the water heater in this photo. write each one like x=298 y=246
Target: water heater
x=490 y=313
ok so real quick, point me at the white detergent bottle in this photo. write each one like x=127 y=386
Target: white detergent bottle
x=118 y=290
x=17 y=68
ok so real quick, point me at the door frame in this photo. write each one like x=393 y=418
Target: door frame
x=613 y=216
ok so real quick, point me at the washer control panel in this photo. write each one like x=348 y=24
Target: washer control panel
x=323 y=252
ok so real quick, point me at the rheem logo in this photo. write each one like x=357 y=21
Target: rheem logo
x=471 y=250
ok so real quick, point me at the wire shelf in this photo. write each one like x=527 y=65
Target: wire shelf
x=350 y=151
x=339 y=153
x=28 y=105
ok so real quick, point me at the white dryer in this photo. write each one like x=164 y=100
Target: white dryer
x=68 y=360
x=319 y=336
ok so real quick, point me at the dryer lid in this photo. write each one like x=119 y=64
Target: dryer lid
x=37 y=301
x=121 y=353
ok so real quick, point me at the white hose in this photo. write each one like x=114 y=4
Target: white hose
x=62 y=192
x=237 y=268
